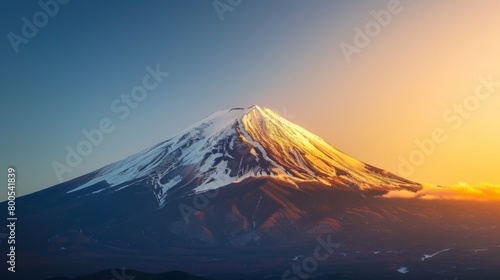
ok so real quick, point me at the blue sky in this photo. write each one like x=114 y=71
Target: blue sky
x=65 y=78
x=283 y=55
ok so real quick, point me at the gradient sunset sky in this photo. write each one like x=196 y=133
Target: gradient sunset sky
x=284 y=55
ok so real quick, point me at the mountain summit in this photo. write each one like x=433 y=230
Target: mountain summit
x=234 y=144
x=245 y=191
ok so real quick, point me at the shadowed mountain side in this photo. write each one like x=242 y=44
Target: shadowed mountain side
x=258 y=226
x=246 y=193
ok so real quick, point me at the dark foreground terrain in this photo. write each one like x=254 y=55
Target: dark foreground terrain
x=235 y=238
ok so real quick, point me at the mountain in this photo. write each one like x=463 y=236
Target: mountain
x=235 y=144
x=246 y=194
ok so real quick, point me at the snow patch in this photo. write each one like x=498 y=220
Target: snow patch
x=403 y=270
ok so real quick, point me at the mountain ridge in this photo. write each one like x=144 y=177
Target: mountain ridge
x=233 y=144
x=278 y=189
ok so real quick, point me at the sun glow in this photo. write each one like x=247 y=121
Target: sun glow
x=460 y=191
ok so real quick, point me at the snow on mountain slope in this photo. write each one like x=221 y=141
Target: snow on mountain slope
x=231 y=145
x=308 y=157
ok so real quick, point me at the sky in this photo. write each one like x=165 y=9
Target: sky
x=408 y=86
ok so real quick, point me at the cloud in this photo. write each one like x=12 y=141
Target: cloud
x=461 y=191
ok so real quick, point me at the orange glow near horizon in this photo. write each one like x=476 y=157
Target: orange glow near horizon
x=400 y=87
x=461 y=191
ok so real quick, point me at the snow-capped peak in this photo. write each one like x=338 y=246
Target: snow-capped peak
x=238 y=143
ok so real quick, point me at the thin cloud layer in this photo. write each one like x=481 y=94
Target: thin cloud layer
x=461 y=191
